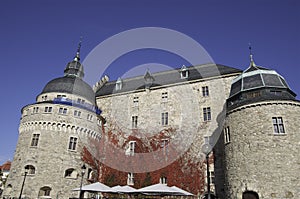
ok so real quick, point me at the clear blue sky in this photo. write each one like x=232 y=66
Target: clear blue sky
x=38 y=38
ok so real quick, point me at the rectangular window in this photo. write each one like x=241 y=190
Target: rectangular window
x=61 y=96
x=278 y=125
x=164 y=97
x=212 y=177
x=164 y=118
x=206 y=114
x=77 y=113
x=63 y=111
x=130 y=149
x=184 y=74
x=134 y=121
x=226 y=135
x=35 y=109
x=90 y=117
x=48 y=109
x=44 y=98
x=72 y=143
x=35 y=139
x=164 y=146
x=130 y=178
x=135 y=101
x=163 y=180
x=80 y=101
x=205 y=91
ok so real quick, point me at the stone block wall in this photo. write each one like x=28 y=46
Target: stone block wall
x=259 y=160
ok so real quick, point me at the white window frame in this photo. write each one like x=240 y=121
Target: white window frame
x=135 y=101
x=131 y=148
x=35 y=140
x=130 y=179
x=205 y=91
x=77 y=113
x=90 y=117
x=227 y=137
x=35 y=110
x=163 y=180
x=164 y=118
x=48 y=109
x=184 y=72
x=278 y=126
x=134 y=121
x=44 y=98
x=62 y=110
x=119 y=84
x=73 y=142
x=206 y=114
x=164 y=96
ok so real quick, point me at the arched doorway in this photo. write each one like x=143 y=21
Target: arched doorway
x=250 y=195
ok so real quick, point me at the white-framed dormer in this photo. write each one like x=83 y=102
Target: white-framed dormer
x=119 y=84
x=184 y=72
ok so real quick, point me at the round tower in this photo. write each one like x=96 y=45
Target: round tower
x=261 y=136
x=52 y=134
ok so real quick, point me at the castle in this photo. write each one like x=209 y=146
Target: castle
x=149 y=129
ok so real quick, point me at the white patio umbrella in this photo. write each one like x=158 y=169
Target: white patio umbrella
x=159 y=189
x=186 y=193
x=95 y=187
x=123 y=189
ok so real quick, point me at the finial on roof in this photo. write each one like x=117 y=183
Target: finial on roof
x=251 y=56
x=77 y=57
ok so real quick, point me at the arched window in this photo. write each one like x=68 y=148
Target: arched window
x=44 y=191
x=250 y=195
x=30 y=169
x=71 y=173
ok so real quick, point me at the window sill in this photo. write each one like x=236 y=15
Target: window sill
x=279 y=134
x=72 y=151
x=71 y=178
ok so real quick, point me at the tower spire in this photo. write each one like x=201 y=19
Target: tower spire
x=77 y=57
x=251 y=56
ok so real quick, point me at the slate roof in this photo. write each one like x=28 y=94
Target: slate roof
x=169 y=77
x=72 y=85
x=257 y=77
x=258 y=84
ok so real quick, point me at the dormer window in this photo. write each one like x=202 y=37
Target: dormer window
x=184 y=72
x=119 y=84
x=149 y=79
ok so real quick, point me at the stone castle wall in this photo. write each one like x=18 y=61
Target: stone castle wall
x=51 y=157
x=184 y=104
x=256 y=158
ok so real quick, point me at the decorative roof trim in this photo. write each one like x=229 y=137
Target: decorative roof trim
x=247 y=74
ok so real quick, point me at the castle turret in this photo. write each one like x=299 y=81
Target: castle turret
x=261 y=137
x=52 y=134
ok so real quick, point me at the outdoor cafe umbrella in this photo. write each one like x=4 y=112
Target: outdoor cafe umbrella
x=95 y=187
x=123 y=189
x=160 y=189
x=186 y=193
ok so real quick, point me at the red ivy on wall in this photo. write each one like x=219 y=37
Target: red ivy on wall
x=185 y=172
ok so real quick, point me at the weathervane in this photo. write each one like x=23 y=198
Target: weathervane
x=251 y=56
x=77 y=57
